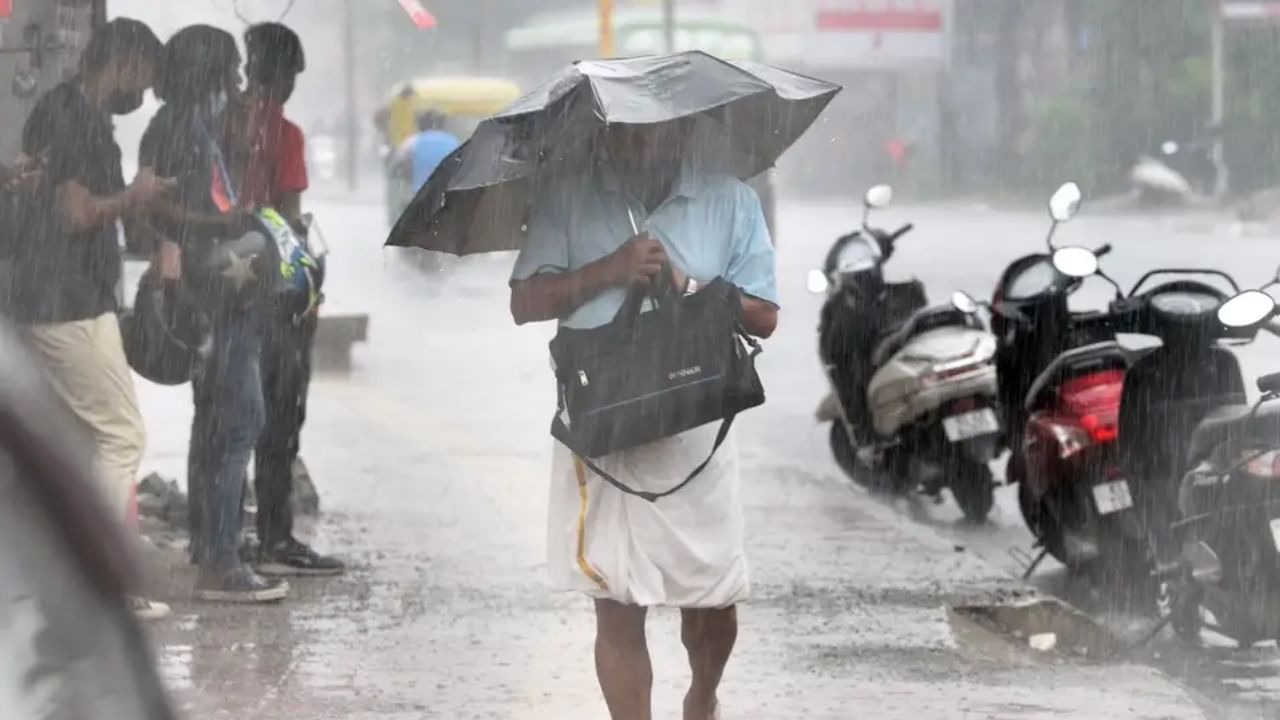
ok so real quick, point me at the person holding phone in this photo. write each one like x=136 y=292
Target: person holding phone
x=66 y=253
x=219 y=264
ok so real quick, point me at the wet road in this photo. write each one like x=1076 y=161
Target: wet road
x=432 y=462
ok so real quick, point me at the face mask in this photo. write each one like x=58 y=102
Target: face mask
x=123 y=102
x=217 y=104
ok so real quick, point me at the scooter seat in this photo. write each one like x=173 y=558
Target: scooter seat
x=921 y=321
x=1239 y=427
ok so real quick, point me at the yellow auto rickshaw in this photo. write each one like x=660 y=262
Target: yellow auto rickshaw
x=463 y=101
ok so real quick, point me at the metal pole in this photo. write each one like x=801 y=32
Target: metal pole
x=353 y=123
x=605 y=11
x=669 y=24
x=1218 y=112
x=479 y=49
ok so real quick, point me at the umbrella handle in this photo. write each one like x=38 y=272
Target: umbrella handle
x=665 y=284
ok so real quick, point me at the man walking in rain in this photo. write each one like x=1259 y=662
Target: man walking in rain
x=687 y=551
x=66 y=255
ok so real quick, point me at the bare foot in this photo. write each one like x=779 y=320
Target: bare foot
x=699 y=709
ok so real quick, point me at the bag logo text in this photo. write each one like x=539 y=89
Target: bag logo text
x=683 y=373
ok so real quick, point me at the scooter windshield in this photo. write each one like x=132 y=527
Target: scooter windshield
x=1035 y=279
x=859 y=254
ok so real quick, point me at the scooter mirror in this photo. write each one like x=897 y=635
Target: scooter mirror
x=1065 y=202
x=1169 y=147
x=961 y=301
x=1075 y=261
x=878 y=196
x=1269 y=384
x=817 y=282
x=1246 y=309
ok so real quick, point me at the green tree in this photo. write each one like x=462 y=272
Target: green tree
x=1150 y=79
x=1252 y=137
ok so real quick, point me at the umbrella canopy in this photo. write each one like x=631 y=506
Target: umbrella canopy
x=745 y=115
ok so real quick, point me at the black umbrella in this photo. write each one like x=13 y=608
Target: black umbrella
x=745 y=114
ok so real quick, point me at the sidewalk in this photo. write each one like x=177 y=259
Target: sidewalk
x=432 y=464
x=446 y=612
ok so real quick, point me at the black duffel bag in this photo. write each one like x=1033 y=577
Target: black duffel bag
x=649 y=375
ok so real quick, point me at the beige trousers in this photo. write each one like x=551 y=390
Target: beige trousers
x=86 y=365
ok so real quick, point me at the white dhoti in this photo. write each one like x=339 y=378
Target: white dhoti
x=686 y=550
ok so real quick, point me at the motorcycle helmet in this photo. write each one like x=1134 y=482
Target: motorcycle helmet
x=301 y=275
x=240 y=272
x=165 y=334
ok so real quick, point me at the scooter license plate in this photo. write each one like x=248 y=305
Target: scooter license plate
x=1112 y=497
x=1275 y=533
x=971 y=424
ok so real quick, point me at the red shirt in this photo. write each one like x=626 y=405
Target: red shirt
x=269 y=154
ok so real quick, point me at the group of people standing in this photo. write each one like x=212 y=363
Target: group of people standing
x=212 y=155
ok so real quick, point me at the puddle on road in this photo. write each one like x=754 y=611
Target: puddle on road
x=1043 y=627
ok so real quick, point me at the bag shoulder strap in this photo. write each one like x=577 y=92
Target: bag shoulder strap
x=721 y=435
x=218 y=160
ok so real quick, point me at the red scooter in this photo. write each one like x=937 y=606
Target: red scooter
x=1071 y=490
x=1061 y=374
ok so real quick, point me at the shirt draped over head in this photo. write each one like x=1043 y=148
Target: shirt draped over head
x=61 y=275
x=402 y=119
x=711 y=226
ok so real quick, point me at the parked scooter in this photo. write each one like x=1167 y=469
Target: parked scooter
x=1178 y=175
x=1168 y=390
x=1030 y=316
x=1061 y=375
x=1227 y=536
x=913 y=388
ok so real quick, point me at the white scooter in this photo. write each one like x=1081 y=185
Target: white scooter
x=1177 y=176
x=914 y=392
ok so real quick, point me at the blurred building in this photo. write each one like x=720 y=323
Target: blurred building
x=941 y=96
x=40 y=45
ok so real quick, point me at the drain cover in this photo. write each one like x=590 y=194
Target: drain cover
x=1046 y=625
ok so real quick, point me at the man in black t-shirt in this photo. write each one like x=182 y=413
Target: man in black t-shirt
x=66 y=254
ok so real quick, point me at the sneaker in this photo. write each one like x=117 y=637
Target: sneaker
x=239 y=585
x=297 y=558
x=148 y=610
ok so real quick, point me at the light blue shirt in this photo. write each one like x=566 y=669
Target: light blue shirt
x=711 y=226
x=430 y=148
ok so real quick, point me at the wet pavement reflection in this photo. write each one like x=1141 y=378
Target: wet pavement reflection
x=432 y=457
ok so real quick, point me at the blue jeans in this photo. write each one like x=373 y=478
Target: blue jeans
x=229 y=415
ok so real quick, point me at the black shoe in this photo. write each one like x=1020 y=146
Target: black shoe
x=239 y=585
x=296 y=558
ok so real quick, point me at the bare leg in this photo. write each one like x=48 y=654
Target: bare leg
x=622 y=660
x=708 y=636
